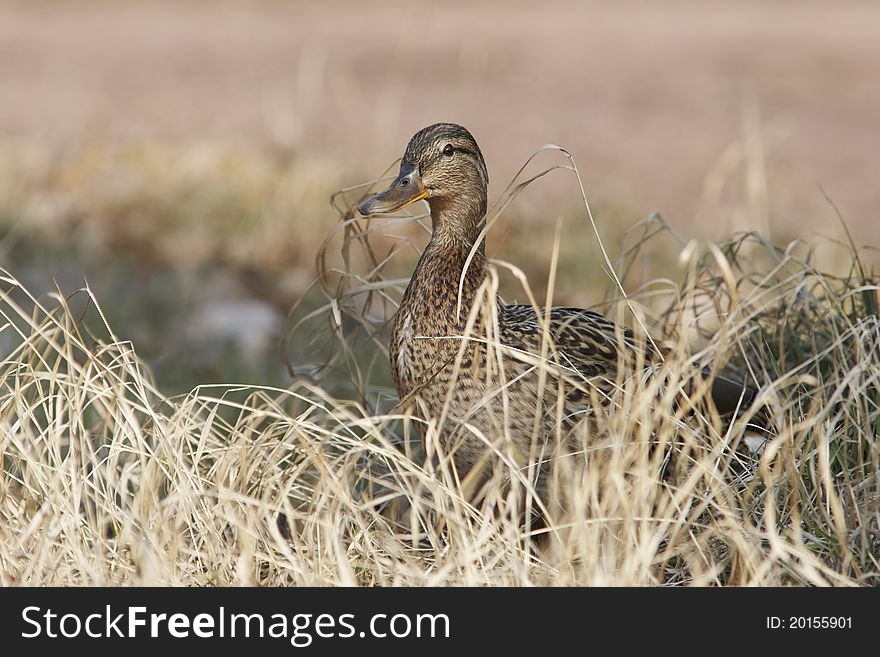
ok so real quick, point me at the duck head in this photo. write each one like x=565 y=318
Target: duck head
x=442 y=165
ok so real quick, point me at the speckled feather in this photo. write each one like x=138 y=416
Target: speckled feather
x=457 y=381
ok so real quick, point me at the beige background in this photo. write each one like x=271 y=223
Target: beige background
x=659 y=102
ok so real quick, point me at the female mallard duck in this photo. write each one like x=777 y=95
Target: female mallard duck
x=494 y=377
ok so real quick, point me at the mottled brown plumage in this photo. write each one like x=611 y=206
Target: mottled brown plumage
x=486 y=387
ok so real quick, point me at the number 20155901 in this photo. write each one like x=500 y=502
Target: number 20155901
x=809 y=622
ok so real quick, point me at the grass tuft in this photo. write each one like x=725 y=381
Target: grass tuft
x=106 y=480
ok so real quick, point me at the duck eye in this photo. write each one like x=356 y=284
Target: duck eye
x=448 y=150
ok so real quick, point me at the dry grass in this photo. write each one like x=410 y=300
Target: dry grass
x=173 y=205
x=106 y=480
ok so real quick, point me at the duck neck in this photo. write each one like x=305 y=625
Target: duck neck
x=456 y=223
x=435 y=282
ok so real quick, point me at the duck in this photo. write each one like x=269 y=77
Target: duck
x=493 y=378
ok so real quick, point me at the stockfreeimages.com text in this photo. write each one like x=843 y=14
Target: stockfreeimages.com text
x=300 y=629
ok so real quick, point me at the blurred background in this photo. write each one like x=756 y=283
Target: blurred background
x=180 y=156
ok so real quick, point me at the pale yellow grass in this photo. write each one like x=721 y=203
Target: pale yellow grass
x=106 y=480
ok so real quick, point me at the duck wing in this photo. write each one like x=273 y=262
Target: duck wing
x=584 y=342
x=588 y=345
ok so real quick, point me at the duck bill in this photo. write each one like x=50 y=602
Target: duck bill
x=405 y=189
